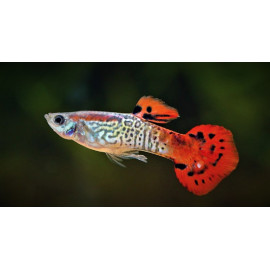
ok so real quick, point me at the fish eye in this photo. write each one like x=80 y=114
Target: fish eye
x=59 y=120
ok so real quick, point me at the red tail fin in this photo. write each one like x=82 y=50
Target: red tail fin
x=208 y=157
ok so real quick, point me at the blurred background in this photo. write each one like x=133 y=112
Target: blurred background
x=38 y=168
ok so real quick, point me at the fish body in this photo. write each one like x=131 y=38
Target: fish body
x=113 y=133
x=199 y=156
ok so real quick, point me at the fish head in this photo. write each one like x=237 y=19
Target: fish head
x=62 y=124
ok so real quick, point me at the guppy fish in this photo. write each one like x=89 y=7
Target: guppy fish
x=202 y=157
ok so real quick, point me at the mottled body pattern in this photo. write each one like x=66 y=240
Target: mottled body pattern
x=119 y=133
x=202 y=157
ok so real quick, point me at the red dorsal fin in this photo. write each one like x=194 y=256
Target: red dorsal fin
x=209 y=158
x=155 y=110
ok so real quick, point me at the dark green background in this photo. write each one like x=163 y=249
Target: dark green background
x=38 y=168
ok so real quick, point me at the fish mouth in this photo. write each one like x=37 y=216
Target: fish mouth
x=46 y=117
